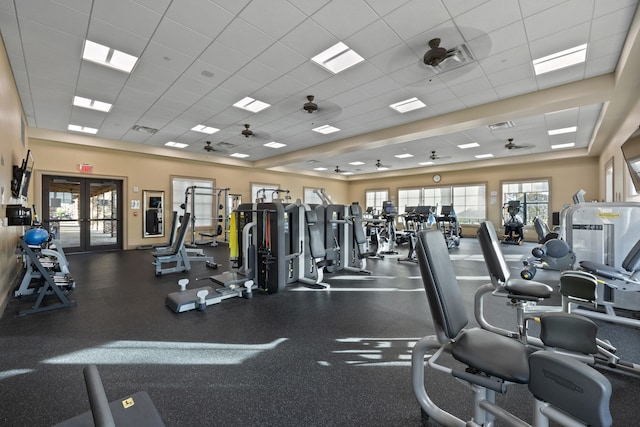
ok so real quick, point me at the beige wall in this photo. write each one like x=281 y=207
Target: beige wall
x=566 y=176
x=150 y=172
x=12 y=152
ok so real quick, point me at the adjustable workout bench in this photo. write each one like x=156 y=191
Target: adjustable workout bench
x=177 y=254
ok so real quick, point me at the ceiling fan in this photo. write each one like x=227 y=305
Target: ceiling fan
x=310 y=106
x=246 y=131
x=434 y=156
x=210 y=148
x=381 y=167
x=510 y=145
x=436 y=55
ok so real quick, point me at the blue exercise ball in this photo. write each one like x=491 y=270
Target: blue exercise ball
x=36 y=236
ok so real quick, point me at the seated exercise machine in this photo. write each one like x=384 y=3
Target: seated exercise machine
x=177 y=256
x=135 y=410
x=524 y=296
x=604 y=237
x=543 y=231
x=357 y=253
x=46 y=272
x=566 y=390
x=613 y=283
x=513 y=225
x=553 y=254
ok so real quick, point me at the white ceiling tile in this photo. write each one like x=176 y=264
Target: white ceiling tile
x=555 y=19
x=613 y=23
x=383 y=7
x=507 y=59
x=109 y=35
x=456 y=7
x=202 y=16
x=488 y=17
x=403 y=19
x=280 y=57
x=176 y=36
x=510 y=75
x=56 y=16
x=603 y=7
x=519 y=87
x=342 y=19
x=502 y=39
x=224 y=58
x=565 y=39
x=128 y=16
x=309 y=39
x=275 y=17
x=372 y=39
x=245 y=38
x=309 y=7
x=159 y=6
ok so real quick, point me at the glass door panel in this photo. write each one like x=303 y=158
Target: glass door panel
x=83 y=214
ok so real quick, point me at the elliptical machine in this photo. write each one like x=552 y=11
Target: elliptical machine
x=513 y=225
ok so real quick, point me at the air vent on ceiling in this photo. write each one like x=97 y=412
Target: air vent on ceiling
x=502 y=125
x=144 y=129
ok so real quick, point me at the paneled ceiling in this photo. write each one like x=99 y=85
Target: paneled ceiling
x=199 y=57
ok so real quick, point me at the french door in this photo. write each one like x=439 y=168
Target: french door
x=83 y=214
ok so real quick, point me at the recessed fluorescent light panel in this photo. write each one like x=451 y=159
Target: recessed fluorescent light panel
x=239 y=155
x=108 y=57
x=205 y=129
x=91 y=104
x=346 y=173
x=408 y=105
x=176 y=144
x=356 y=163
x=425 y=163
x=320 y=169
x=484 y=156
x=563 y=130
x=250 y=104
x=403 y=156
x=469 y=145
x=274 y=144
x=326 y=129
x=558 y=60
x=337 y=58
x=83 y=129
x=559 y=146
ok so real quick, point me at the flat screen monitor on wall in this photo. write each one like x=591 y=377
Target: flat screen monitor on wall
x=631 y=154
x=22 y=176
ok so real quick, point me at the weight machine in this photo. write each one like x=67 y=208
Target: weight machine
x=222 y=212
x=46 y=272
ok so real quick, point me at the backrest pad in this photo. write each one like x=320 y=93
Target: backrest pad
x=439 y=278
x=497 y=266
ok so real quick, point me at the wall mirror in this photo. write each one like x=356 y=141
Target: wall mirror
x=152 y=213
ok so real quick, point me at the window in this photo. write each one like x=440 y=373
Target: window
x=469 y=201
x=203 y=204
x=265 y=192
x=608 y=181
x=310 y=196
x=374 y=199
x=533 y=197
